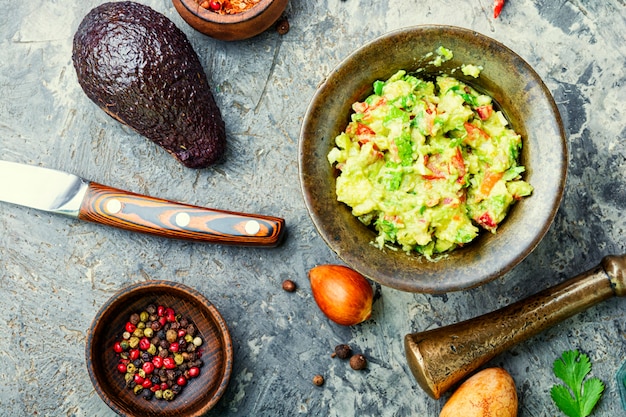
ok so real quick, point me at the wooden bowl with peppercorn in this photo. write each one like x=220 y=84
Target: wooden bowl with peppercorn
x=230 y=20
x=382 y=131
x=159 y=348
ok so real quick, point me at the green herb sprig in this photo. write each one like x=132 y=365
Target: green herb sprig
x=580 y=396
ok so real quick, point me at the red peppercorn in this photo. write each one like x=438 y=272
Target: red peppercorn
x=148 y=367
x=121 y=367
x=133 y=354
x=182 y=332
x=182 y=381
x=157 y=361
x=194 y=371
x=168 y=311
x=146 y=383
x=162 y=320
x=160 y=311
x=215 y=5
x=117 y=347
x=164 y=386
x=155 y=388
x=169 y=363
x=144 y=343
x=171 y=317
x=174 y=347
x=138 y=379
x=130 y=327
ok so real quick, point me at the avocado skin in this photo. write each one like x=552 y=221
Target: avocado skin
x=137 y=66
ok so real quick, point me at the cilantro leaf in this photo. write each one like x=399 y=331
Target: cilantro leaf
x=575 y=398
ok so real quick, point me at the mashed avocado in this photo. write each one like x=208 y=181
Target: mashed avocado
x=428 y=164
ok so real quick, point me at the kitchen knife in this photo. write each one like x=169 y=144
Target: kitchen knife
x=70 y=195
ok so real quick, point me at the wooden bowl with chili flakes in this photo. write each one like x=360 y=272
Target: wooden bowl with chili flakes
x=230 y=20
x=199 y=393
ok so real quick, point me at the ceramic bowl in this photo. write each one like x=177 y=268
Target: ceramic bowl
x=231 y=27
x=201 y=393
x=523 y=98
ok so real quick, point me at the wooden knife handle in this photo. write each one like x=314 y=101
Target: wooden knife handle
x=139 y=213
x=439 y=358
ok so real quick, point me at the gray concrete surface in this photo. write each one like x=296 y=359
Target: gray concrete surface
x=55 y=272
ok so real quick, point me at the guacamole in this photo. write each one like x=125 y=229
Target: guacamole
x=428 y=164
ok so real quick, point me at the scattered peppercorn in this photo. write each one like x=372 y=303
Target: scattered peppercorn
x=282 y=26
x=289 y=285
x=342 y=351
x=150 y=355
x=358 y=362
x=318 y=380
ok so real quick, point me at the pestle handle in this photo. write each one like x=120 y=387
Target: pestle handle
x=439 y=358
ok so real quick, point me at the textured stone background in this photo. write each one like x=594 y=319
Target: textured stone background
x=55 y=273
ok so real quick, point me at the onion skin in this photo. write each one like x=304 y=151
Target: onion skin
x=344 y=295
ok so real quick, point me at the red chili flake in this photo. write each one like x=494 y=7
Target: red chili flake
x=497 y=8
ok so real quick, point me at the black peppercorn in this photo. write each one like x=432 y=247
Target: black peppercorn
x=358 y=362
x=342 y=351
x=134 y=318
x=289 y=285
x=282 y=26
x=318 y=380
x=147 y=394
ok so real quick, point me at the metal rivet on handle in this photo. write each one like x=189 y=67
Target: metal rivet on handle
x=113 y=206
x=252 y=227
x=182 y=219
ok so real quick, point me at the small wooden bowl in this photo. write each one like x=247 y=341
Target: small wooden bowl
x=201 y=393
x=231 y=27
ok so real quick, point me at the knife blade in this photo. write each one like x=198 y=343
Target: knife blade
x=70 y=195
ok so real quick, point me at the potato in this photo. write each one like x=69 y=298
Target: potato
x=488 y=393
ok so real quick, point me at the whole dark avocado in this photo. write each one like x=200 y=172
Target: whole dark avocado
x=137 y=66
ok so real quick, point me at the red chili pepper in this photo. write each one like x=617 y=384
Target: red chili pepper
x=497 y=8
